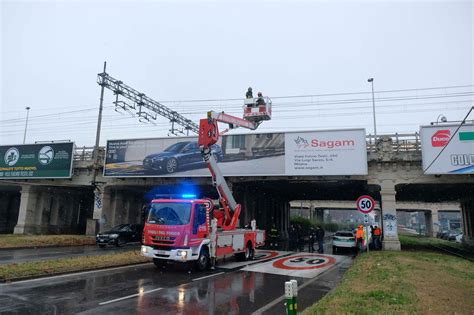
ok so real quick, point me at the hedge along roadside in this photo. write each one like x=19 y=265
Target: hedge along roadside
x=30 y=241
x=44 y=268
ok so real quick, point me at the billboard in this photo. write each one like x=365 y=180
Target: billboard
x=458 y=155
x=337 y=152
x=45 y=160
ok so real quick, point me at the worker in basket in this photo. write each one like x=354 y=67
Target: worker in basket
x=260 y=99
x=249 y=93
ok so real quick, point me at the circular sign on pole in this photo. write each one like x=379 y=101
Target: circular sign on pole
x=365 y=204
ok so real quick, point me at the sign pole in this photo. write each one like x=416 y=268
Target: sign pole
x=365 y=204
x=367 y=228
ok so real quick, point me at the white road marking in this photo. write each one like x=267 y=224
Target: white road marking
x=71 y=275
x=129 y=296
x=215 y=274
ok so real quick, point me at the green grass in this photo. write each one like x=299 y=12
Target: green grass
x=13 y=241
x=64 y=265
x=423 y=241
x=402 y=282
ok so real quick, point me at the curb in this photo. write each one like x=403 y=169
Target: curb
x=11 y=280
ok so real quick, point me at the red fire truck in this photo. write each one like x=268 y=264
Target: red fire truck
x=191 y=230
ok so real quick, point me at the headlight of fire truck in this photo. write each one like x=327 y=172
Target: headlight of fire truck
x=182 y=253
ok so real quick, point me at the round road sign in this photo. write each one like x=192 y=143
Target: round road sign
x=304 y=262
x=365 y=204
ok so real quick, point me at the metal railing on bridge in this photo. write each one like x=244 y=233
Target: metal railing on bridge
x=400 y=142
x=83 y=153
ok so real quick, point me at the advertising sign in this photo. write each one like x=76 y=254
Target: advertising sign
x=46 y=160
x=341 y=152
x=458 y=155
x=334 y=152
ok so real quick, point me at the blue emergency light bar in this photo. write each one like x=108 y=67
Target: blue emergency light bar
x=175 y=196
x=188 y=196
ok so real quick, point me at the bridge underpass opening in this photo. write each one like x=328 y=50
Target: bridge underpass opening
x=428 y=222
x=334 y=214
x=41 y=209
x=461 y=194
x=9 y=208
x=269 y=201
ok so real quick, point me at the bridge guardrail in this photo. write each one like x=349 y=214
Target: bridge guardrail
x=83 y=153
x=400 y=142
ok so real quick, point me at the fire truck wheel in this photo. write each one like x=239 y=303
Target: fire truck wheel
x=203 y=261
x=171 y=165
x=249 y=252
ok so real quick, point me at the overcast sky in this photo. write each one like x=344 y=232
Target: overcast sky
x=51 y=52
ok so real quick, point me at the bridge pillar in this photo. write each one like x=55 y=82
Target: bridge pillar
x=389 y=216
x=428 y=223
x=102 y=213
x=467 y=208
x=26 y=215
x=432 y=221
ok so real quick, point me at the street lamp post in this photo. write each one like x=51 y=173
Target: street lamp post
x=371 y=80
x=26 y=124
x=441 y=118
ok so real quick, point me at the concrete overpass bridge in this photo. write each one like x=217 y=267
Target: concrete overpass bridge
x=395 y=179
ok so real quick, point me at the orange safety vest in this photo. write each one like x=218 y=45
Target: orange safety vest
x=360 y=234
x=377 y=232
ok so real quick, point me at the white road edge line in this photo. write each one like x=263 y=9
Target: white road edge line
x=215 y=274
x=282 y=298
x=129 y=296
x=71 y=274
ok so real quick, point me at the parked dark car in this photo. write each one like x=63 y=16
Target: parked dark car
x=179 y=155
x=120 y=235
x=442 y=234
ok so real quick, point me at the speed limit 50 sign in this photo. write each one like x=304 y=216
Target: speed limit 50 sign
x=365 y=204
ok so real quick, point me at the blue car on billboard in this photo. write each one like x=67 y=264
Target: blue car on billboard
x=181 y=155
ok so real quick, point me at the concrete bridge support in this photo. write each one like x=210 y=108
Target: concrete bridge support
x=389 y=216
x=26 y=213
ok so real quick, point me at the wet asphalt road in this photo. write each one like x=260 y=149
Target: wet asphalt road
x=8 y=256
x=145 y=289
